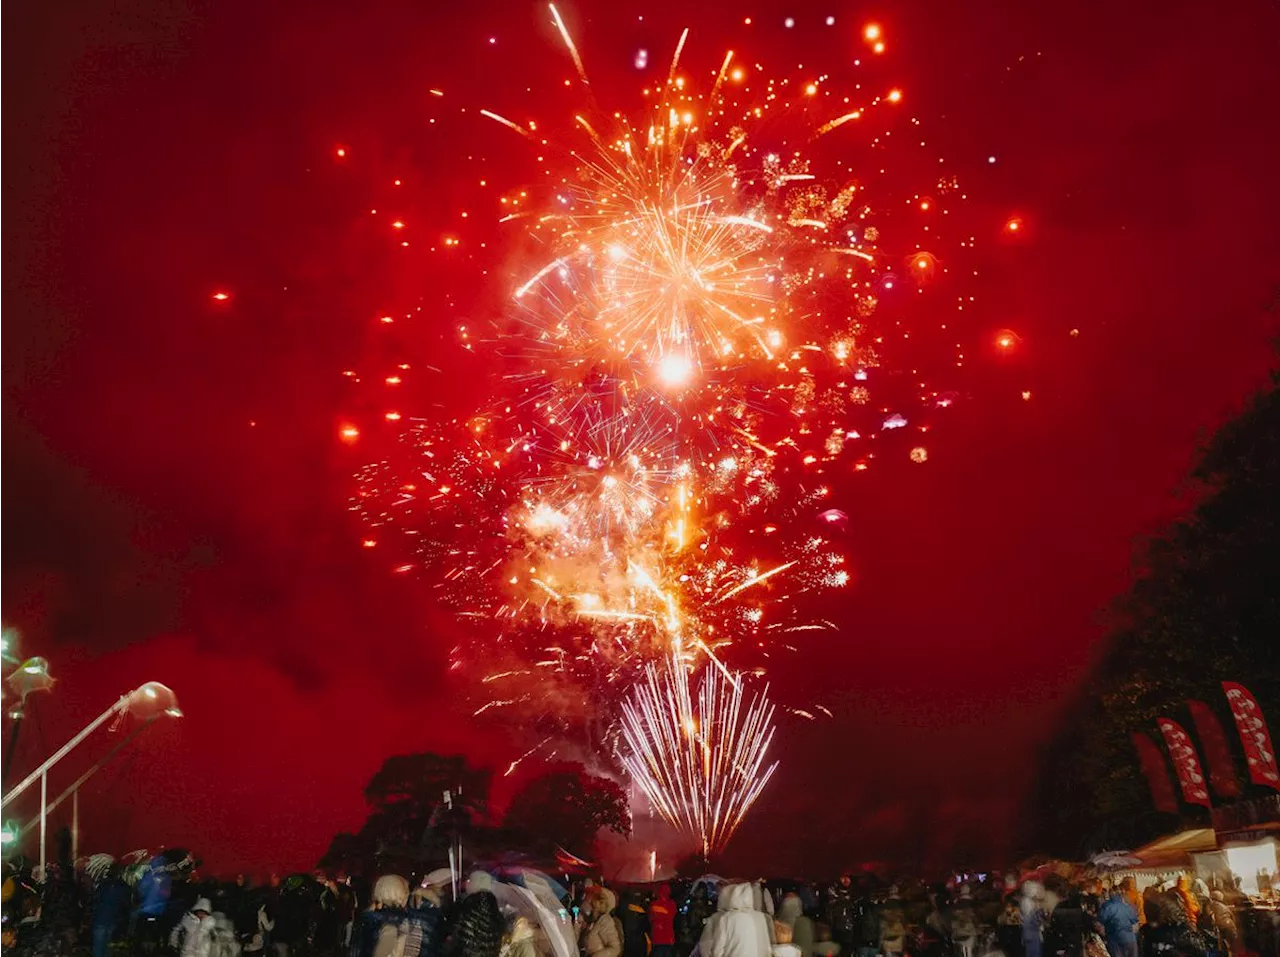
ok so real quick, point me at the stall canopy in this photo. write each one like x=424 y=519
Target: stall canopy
x=1175 y=851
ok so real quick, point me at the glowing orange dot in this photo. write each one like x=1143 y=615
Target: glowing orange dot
x=349 y=433
x=924 y=204
x=386 y=319
x=1013 y=225
x=392 y=416
x=895 y=96
x=398 y=225
x=922 y=263
x=1026 y=395
x=341 y=151
x=879 y=48
x=872 y=31
x=811 y=89
x=369 y=543
x=1005 y=340
x=221 y=296
x=747 y=21
x=737 y=75
x=397 y=182
x=393 y=380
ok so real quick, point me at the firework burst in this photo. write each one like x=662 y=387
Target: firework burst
x=697 y=350
x=698 y=752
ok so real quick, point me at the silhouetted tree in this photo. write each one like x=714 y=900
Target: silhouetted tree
x=408 y=824
x=566 y=807
x=1204 y=608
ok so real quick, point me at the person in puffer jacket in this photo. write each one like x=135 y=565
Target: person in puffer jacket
x=193 y=935
x=599 y=936
x=737 y=929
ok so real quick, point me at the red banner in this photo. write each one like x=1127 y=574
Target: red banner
x=1186 y=763
x=1258 y=752
x=1217 y=753
x=1157 y=777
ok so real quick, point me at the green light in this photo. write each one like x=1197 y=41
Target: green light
x=8 y=834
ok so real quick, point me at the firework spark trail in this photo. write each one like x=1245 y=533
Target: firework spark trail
x=693 y=346
x=699 y=757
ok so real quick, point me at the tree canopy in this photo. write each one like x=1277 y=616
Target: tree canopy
x=565 y=808
x=410 y=826
x=1204 y=607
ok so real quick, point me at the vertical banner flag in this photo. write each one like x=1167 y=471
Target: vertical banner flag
x=1186 y=764
x=1252 y=726
x=1217 y=754
x=1157 y=777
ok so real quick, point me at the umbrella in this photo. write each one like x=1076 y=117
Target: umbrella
x=437 y=878
x=1114 y=860
x=530 y=877
x=535 y=907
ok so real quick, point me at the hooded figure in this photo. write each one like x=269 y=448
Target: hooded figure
x=1190 y=906
x=737 y=929
x=791 y=913
x=662 y=922
x=1119 y=922
x=599 y=936
x=193 y=935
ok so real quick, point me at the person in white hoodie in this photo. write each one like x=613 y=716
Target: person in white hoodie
x=193 y=936
x=737 y=929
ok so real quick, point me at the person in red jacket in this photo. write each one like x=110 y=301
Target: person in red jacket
x=662 y=923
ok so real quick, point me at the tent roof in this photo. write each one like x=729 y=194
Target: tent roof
x=1174 y=850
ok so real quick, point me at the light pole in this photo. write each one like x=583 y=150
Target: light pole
x=32 y=675
x=73 y=791
x=144 y=698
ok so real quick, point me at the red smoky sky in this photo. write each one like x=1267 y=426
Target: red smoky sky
x=158 y=152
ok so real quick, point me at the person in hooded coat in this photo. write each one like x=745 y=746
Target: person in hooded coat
x=1119 y=922
x=193 y=935
x=737 y=929
x=662 y=923
x=599 y=936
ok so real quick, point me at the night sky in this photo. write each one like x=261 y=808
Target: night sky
x=175 y=499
